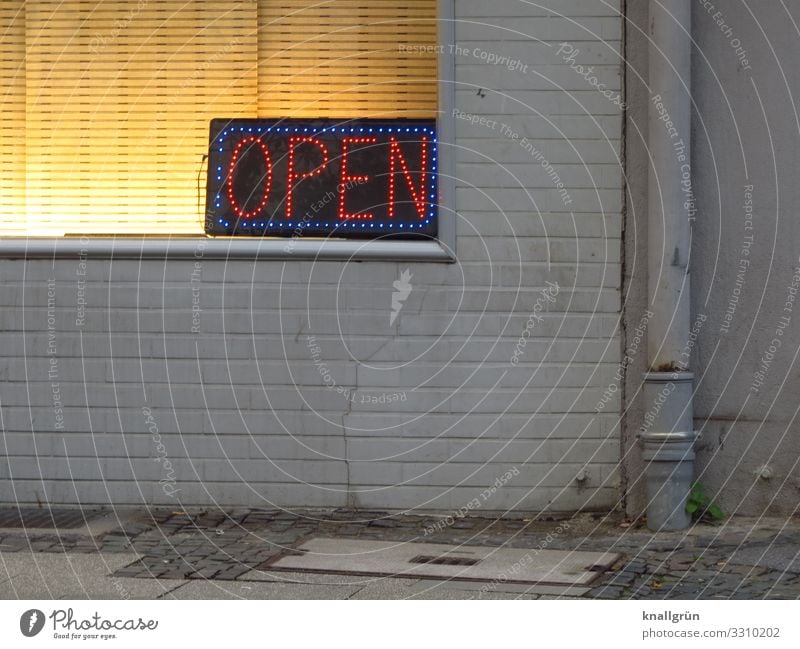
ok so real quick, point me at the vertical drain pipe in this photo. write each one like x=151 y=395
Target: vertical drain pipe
x=667 y=431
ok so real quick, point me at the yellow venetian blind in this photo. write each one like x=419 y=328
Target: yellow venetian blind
x=12 y=116
x=119 y=96
x=347 y=58
x=106 y=104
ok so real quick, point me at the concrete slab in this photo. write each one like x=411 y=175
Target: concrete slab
x=452 y=593
x=25 y=575
x=519 y=589
x=196 y=589
x=388 y=587
x=287 y=577
x=399 y=588
x=433 y=560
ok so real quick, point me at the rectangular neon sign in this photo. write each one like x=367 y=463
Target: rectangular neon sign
x=322 y=178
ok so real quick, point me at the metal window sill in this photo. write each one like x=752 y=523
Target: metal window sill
x=233 y=248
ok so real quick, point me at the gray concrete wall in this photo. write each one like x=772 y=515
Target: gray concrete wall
x=197 y=380
x=746 y=133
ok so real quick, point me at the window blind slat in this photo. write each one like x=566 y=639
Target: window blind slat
x=341 y=58
x=119 y=97
x=12 y=110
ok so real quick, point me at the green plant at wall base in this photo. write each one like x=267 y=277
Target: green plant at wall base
x=699 y=505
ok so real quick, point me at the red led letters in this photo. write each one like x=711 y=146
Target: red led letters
x=345 y=178
x=419 y=199
x=234 y=159
x=292 y=175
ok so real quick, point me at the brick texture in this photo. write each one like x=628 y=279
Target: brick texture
x=167 y=381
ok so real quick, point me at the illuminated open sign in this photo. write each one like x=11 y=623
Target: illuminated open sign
x=322 y=177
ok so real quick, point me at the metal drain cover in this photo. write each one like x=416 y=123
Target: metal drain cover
x=45 y=518
x=438 y=561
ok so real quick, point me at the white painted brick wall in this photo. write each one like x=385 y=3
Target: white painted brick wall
x=242 y=411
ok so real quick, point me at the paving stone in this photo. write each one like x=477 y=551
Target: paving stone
x=605 y=592
x=637 y=566
x=231 y=573
x=622 y=579
x=175 y=574
x=384 y=522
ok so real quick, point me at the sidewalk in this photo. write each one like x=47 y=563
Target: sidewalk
x=140 y=554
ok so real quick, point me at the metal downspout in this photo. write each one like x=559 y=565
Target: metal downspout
x=667 y=431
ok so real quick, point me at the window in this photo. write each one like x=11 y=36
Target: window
x=107 y=105
x=117 y=96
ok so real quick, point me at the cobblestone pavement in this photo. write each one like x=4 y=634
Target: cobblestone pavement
x=741 y=559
